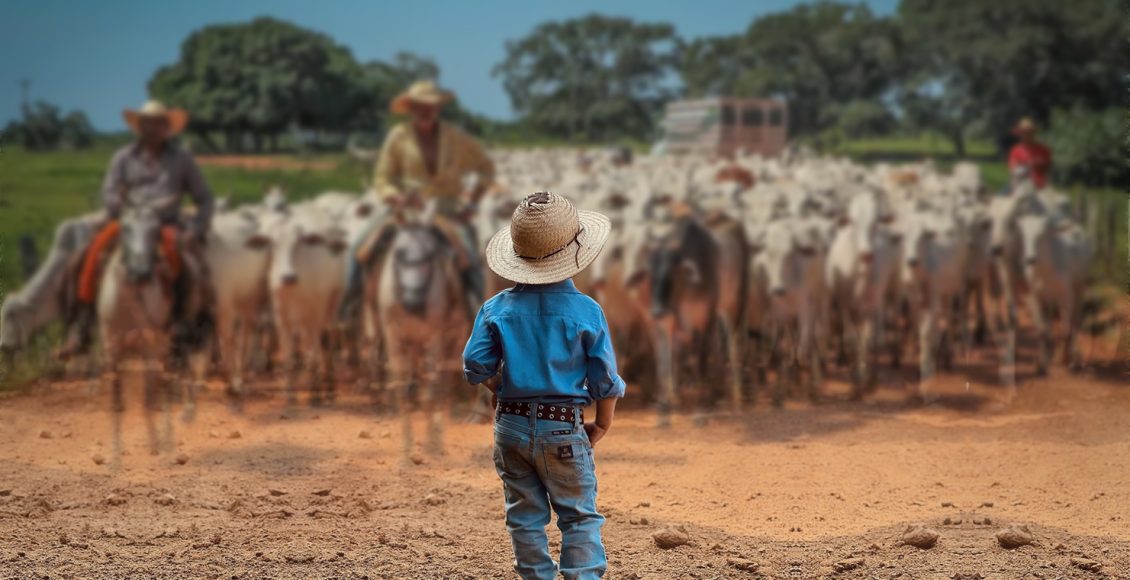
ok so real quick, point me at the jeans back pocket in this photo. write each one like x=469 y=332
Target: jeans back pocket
x=566 y=458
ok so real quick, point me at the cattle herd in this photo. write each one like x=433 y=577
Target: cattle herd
x=722 y=279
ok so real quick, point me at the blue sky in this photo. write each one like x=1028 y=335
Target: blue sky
x=98 y=56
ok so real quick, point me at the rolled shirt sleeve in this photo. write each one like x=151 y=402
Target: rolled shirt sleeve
x=603 y=380
x=482 y=355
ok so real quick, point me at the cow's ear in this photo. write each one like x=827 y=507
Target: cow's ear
x=313 y=239
x=258 y=242
x=363 y=210
x=337 y=246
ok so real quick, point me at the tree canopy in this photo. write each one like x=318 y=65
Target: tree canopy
x=593 y=78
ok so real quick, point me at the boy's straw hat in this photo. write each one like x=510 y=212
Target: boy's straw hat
x=419 y=92
x=178 y=118
x=548 y=240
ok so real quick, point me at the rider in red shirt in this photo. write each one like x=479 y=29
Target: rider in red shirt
x=1030 y=154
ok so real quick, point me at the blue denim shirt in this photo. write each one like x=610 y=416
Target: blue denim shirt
x=551 y=343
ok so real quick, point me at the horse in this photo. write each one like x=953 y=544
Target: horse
x=415 y=306
x=134 y=309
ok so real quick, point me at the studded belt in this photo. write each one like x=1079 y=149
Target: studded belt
x=551 y=412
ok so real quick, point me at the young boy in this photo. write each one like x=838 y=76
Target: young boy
x=552 y=345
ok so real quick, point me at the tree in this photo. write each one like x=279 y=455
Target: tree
x=1090 y=147
x=44 y=127
x=819 y=55
x=986 y=64
x=259 y=79
x=820 y=58
x=591 y=78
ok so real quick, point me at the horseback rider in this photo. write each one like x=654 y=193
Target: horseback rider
x=152 y=168
x=430 y=159
x=1029 y=158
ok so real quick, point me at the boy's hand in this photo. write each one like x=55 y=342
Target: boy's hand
x=595 y=432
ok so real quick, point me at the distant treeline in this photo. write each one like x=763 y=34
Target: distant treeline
x=964 y=69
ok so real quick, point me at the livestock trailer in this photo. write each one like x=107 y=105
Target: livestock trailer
x=722 y=126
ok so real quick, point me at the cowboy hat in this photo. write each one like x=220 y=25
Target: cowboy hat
x=1025 y=125
x=548 y=240
x=178 y=118
x=425 y=92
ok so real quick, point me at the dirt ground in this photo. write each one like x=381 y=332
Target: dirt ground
x=808 y=491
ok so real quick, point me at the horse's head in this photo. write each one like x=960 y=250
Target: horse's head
x=416 y=250
x=141 y=229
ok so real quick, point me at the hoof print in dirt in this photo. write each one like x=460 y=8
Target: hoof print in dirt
x=743 y=564
x=1014 y=536
x=919 y=536
x=669 y=538
x=1086 y=564
x=848 y=564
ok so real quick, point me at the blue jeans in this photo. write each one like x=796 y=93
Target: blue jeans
x=547 y=464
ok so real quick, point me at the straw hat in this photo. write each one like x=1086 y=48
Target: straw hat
x=1026 y=125
x=178 y=118
x=548 y=240
x=420 y=92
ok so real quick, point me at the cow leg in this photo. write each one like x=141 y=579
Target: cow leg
x=927 y=344
x=782 y=347
x=665 y=368
x=1039 y=323
x=810 y=353
x=1072 y=316
x=329 y=375
x=733 y=363
x=227 y=350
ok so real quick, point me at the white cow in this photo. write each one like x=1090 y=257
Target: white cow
x=859 y=273
x=305 y=281
x=1056 y=254
x=237 y=256
x=934 y=255
x=790 y=264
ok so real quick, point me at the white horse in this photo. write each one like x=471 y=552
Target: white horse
x=415 y=304
x=135 y=307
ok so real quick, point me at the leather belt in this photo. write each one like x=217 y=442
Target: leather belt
x=544 y=411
